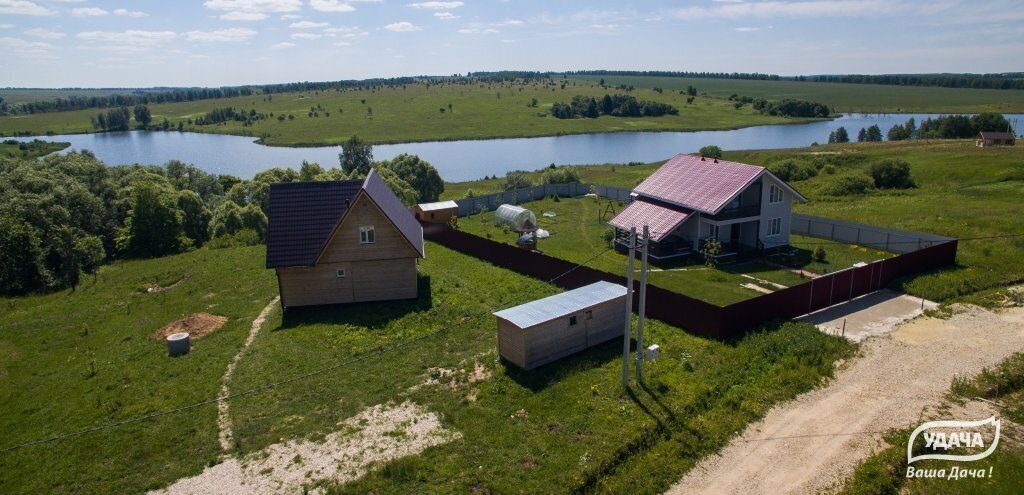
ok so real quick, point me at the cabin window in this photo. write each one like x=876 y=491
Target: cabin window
x=572 y=320
x=774 y=194
x=340 y=273
x=774 y=227
x=713 y=231
x=366 y=234
x=590 y=315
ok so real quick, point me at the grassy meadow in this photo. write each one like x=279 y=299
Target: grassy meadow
x=76 y=360
x=413 y=113
x=858 y=98
x=33 y=149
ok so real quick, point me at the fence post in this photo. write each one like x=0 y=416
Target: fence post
x=887 y=234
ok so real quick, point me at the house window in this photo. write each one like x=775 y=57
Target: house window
x=340 y=273
x=590 y=315
x=572 y=321
x=366 y=234
x=774 y=227
x=713 y=231
x=774 y=194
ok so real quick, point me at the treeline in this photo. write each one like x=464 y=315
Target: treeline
x=66 y=215
x=127 y=99
x=1012 y=80
x=786 y=108
x=614 y=105
x=944 y=127
x=220 y=115
x=668 y=73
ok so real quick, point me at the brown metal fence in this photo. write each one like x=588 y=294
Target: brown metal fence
x=694 y=315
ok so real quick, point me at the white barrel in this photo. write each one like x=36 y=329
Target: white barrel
x=177 y=344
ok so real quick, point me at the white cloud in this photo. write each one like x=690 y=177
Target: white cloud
x=89 y=12
x=288 y=17
x=331 y=6
x=134 y=14
x=402 y=27
x=308 y=25
x=478 y=31
x=337 y=30
x=24 y=7
x=225 y=35
x=45 y=34
x=605 y=27
x=810 y=8
x=250 y=6
x=508 y=41
x=341 y=43
x=746 y=29
x=6 y=26
x=282 y=45
x=510 y=22
x=243 y=16
x=446 y=16
x=306 y=36
x=130 y=37
x=436 y=5
x=23 y=47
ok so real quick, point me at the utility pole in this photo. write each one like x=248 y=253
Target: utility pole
x=642 y=308
x=628 y=330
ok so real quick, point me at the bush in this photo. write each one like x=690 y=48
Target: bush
x=516 y=179
x=793 y=171
x=847 y=185
x=561 y=175
x=819 y=254
x=892 y=173
x=711 y=151
x=244 y=237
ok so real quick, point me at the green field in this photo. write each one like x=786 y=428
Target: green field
x=32 y=149
x=964 y=192
x=867 y=98
x=413 y=113
x=77 y=360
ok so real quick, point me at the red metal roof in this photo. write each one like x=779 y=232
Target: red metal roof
x=705 y=186
x=660 y=220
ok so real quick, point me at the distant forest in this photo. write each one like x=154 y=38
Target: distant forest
x=1012 y=80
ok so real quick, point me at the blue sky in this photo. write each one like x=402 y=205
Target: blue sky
x=96 y=43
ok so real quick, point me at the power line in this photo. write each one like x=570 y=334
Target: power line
x=295 y=378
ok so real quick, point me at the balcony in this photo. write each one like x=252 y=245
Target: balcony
x=734 y=213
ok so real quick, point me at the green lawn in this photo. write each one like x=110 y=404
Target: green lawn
x=576 y=235
x=843 y=97
x=412 y=113
x=32 y=149
x=70 y=361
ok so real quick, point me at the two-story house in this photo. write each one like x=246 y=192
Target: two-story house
x=691 y=198
x=341 y=242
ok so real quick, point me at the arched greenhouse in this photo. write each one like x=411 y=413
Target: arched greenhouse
x=515 y=218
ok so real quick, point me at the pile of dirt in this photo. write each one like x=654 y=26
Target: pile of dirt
x=196 y=324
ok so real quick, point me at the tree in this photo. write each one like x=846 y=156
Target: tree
x=254 y=219
x=862 y=135
x=990 y=122
x=711 y=151
x=142 y=116
x=155 y=224
x=195 y=217
x=418 y=174
x=892 y=173
x=710 y=250
x=516 y=179
x=22 y=269
x=874 y=133
x=356 y=155
x=401 y=188
x=897 y=133
x=227 y=219
x=309 y=171
x=842 y=136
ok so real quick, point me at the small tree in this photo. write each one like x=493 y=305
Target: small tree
x=818 y=254
x=711 y=249
x=874 y=133
x=142 y=115
x=356 y=155
x=842 y=136
x=516 y=179
x=892 y=173
x=155 y=225
x=711 y=151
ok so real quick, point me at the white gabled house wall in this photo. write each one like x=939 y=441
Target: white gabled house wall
x=782 y=210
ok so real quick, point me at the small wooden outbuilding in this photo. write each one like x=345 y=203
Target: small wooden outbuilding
x=439 y=212
x=545 y=330
x=995 y=139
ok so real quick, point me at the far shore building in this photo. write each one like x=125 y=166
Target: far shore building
x=342 y=242
x=691 y=199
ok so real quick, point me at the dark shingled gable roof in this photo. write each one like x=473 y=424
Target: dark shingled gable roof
x=302 y=217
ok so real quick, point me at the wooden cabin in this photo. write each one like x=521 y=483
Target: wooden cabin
x=439 y=212
x=342 y=242
x=545 y=330
x=986 y=139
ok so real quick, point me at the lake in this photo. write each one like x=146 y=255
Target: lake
x=464 y=160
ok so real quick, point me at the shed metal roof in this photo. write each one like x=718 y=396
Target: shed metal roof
x=561 y=305
x=440 y=205
x=997 y=135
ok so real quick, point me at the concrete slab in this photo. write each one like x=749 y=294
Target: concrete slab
x=877 y=313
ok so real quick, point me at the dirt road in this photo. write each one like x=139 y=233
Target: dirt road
x=812 y=443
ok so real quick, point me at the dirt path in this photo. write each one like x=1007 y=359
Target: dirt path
x=225 y=434
x=812 y=443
